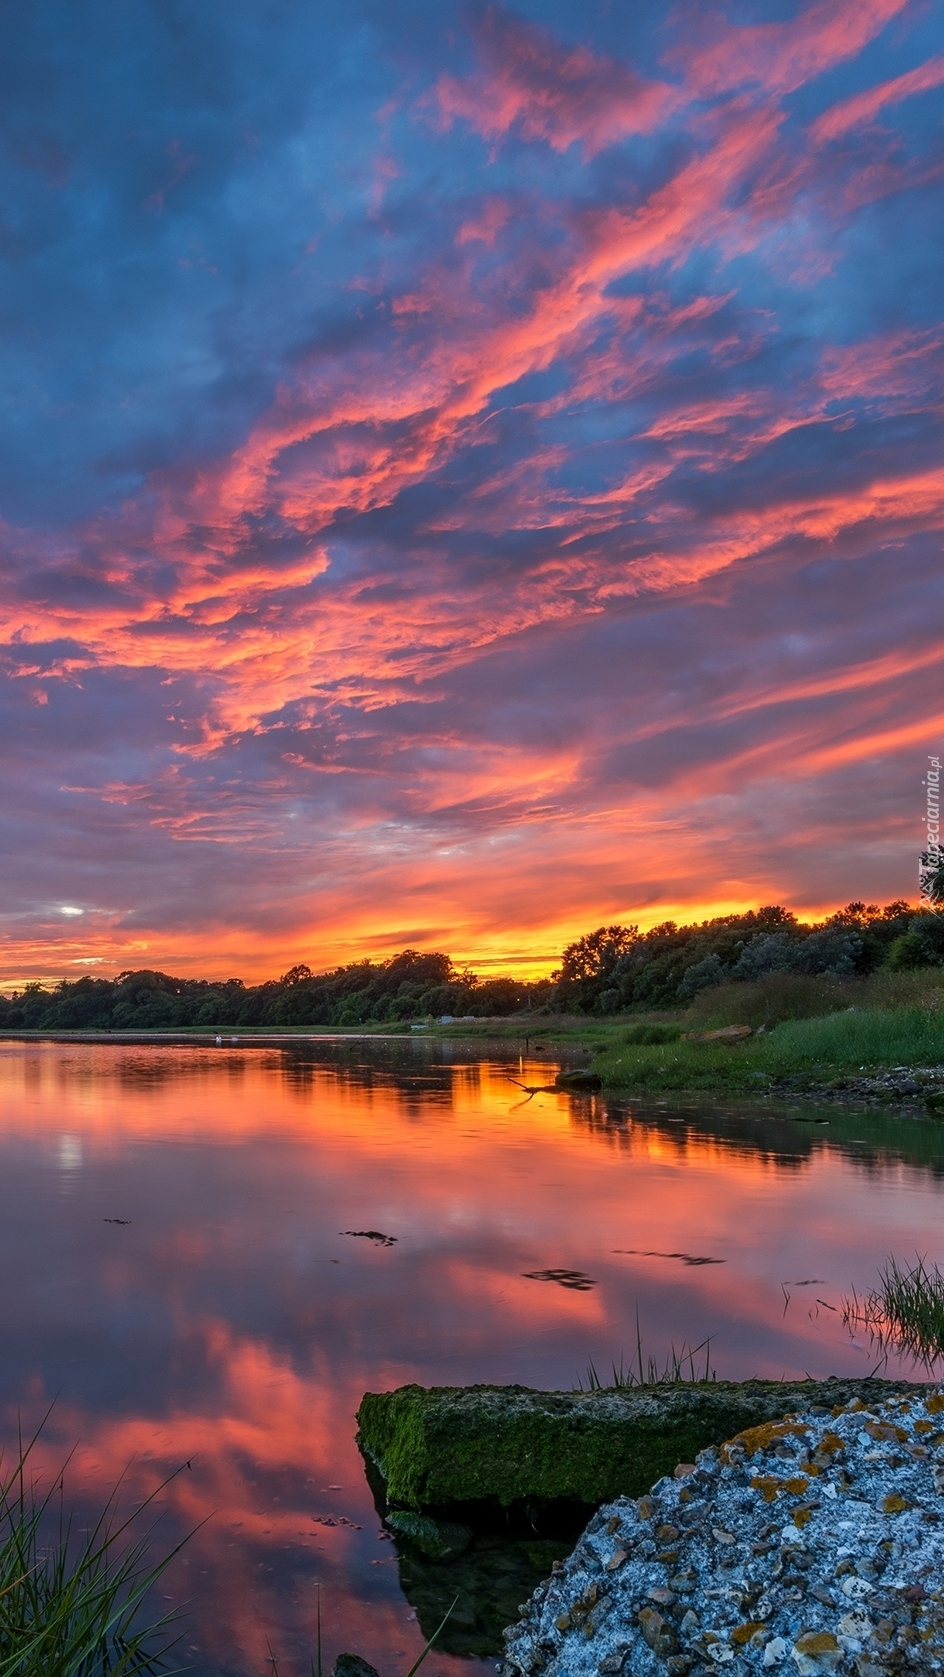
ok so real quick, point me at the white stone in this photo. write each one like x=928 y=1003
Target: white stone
x=856 y=1589
x=775 y=1651
x=847 y=1520
x=857 y=1623
x=811 y=1665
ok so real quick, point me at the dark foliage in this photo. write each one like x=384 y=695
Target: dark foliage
x=411 y=986
x=608 y=971
x=619 y=967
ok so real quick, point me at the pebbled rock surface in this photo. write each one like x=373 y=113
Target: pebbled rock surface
x=814 y=1544
x=908 y=1088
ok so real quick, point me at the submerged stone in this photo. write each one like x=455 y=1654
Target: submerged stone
x=438 y=1540
x=351 y=1665
x=482 y=1591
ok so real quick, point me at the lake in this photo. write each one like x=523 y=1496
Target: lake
x=192 y=1279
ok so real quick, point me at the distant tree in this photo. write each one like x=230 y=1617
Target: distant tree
x=701 y=976
x=596 y=954
x=430 y=968
x=296 y=975
x=500 y=996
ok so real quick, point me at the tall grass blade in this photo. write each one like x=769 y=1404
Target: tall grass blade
x=679 y=1369
x=905 y=1313
x=437 y=1632
x=69 y=1603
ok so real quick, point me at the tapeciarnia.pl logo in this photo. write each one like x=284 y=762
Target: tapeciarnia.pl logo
x=930 y=881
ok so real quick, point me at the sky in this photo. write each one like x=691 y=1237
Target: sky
x=467 y=472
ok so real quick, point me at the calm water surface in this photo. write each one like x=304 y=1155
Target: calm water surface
x=230 y=1322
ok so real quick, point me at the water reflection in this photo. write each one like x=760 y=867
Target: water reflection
x=175 y=1219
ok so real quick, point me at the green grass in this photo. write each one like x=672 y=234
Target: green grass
x=71 y=1597
x=905 y=1313
x=679 y=1369
x=819 y=1049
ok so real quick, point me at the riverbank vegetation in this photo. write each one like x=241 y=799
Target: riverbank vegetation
x=740 y=964
x=904 y=1313
x=826 y=1052
x=73 y=1597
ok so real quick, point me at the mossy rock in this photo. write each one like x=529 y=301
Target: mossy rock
x=351 y=1665
x=443 y=1446
x=579 y=1081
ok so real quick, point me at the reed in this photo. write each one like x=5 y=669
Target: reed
x=317 y=1670
x=819 y=1049
x=71 y=1598
x=678 y=1369
x=904 y=1313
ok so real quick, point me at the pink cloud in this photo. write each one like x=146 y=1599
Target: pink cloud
x=779 y=57
x=903 y=365
x=485 y=226
x=862 y=107
x=545 y=91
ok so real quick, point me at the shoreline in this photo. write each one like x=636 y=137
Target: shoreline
x=654 y=1071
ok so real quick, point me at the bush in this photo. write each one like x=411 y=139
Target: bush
x=768 y=1001
x=921 y=946
x=647 y=1035
x=701 y=976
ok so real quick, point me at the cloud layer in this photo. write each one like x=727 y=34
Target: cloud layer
x=469 y=474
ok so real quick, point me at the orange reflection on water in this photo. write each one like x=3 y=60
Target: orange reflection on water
x=229 y=1320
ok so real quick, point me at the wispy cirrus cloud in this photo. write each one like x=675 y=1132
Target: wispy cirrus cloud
x=778 y=57
x=864 y=107
x=426 y=610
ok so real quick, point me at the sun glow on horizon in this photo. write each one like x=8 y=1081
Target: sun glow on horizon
x=521 y=953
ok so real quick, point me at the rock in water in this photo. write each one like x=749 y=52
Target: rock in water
x=351 y=1665
x=810 y=1545
x=438 y=1540
x=579 y=1082
x=438 y=1447
x=727 y=1033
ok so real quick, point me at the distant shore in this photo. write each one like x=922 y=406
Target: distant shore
x=890 y=1056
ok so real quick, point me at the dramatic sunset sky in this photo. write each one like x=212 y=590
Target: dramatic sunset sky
x=468 y=472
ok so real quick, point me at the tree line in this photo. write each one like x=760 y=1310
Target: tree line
x=610 y=970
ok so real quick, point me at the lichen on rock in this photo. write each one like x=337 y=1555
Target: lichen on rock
x=838 y=1569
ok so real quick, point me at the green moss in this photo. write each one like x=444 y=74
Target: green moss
x=437 y=1540
x=441 y=1446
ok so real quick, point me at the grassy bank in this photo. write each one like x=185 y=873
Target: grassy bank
x=821 y=1050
